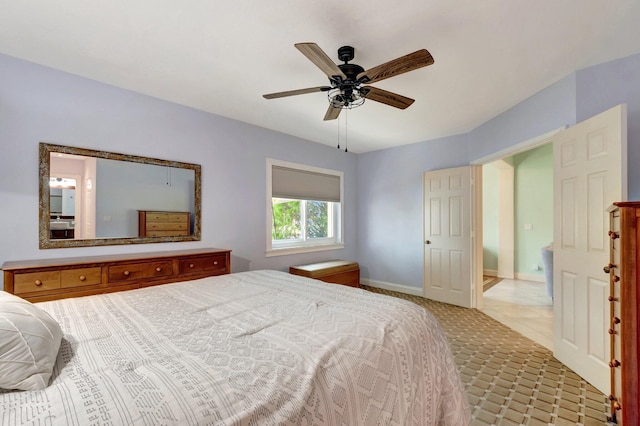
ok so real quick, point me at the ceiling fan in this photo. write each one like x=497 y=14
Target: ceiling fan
x=347 y=89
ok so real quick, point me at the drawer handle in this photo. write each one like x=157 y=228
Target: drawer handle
x=191 y=265
x=38 y=283
x=126 y=273
x=83 y=278
x=215 y=262
x=158 y=269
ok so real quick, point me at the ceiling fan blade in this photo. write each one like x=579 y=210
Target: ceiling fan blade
x=296 y=92
x=388 y=98
x=316 y=55
x=406 y=63
x=332 y=113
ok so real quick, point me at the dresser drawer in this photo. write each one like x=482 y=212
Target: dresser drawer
x=126 y=272
x=159 y=269
x=153 y=218
x=36 y=281
x=166 y=226
x=80 y=276
x=168 y=233
x=137 y=271
x=195 y=265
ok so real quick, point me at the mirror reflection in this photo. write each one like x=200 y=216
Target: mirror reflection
x=62 y=206
x=99 y=198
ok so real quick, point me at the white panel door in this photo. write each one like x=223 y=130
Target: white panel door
x=447 y=234
x=589 y=175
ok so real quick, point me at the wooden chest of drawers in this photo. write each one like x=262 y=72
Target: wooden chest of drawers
x=334 y=271
x=163 y=224
x=49 y=279
x=624 y=332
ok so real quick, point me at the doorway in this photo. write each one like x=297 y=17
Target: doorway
x=517 y=223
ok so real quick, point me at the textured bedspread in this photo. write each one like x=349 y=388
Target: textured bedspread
x=252 y=348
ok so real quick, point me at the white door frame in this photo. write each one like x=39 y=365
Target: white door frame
x=506 y=217
x=476 y=207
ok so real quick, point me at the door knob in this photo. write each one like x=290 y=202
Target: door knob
x=427 y=242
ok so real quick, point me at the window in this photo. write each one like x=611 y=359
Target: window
x=304 y=211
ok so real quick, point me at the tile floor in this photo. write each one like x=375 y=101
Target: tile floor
x=524 y=307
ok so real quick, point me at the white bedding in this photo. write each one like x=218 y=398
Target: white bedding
x=251 y=348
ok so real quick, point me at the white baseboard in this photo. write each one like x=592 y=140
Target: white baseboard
x=490 y=273
x=529 y=277
x=393 y=287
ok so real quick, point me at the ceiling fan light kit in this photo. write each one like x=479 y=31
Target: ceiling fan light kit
x=347 y=89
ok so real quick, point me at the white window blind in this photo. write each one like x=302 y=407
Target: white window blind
x=304 y=185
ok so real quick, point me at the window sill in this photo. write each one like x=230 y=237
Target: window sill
x=302 y=249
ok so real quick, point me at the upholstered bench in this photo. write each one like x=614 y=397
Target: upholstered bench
x=334 y=271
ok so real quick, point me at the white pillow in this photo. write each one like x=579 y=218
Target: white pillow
x=29 y=344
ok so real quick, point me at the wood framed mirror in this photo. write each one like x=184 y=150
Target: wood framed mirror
x=95 y=198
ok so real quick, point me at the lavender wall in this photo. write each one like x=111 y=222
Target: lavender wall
x=390 y=229
x=547 y=110
x=40 y=104
x=604 y=86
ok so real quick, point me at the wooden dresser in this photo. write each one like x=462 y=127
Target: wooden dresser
x=163 y=224
x=624 y=331
x=49 y=279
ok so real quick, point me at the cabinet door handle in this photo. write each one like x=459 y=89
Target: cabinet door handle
x=126 y=273
x=191 y=265
x=82 y=278
x=38 y=283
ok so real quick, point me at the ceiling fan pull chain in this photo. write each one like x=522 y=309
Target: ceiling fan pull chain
x=346 y=130
x=338 y=133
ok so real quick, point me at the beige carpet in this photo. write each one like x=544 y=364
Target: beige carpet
x=511 y=380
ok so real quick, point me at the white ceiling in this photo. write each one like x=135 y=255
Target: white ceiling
x=221 y=57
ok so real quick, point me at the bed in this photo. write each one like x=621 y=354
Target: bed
x=250 y=348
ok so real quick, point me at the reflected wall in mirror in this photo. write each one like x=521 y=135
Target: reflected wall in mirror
x=92 y=198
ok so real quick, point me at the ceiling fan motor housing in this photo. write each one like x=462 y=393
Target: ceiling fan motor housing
x=346 y=53
x=351 y=71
